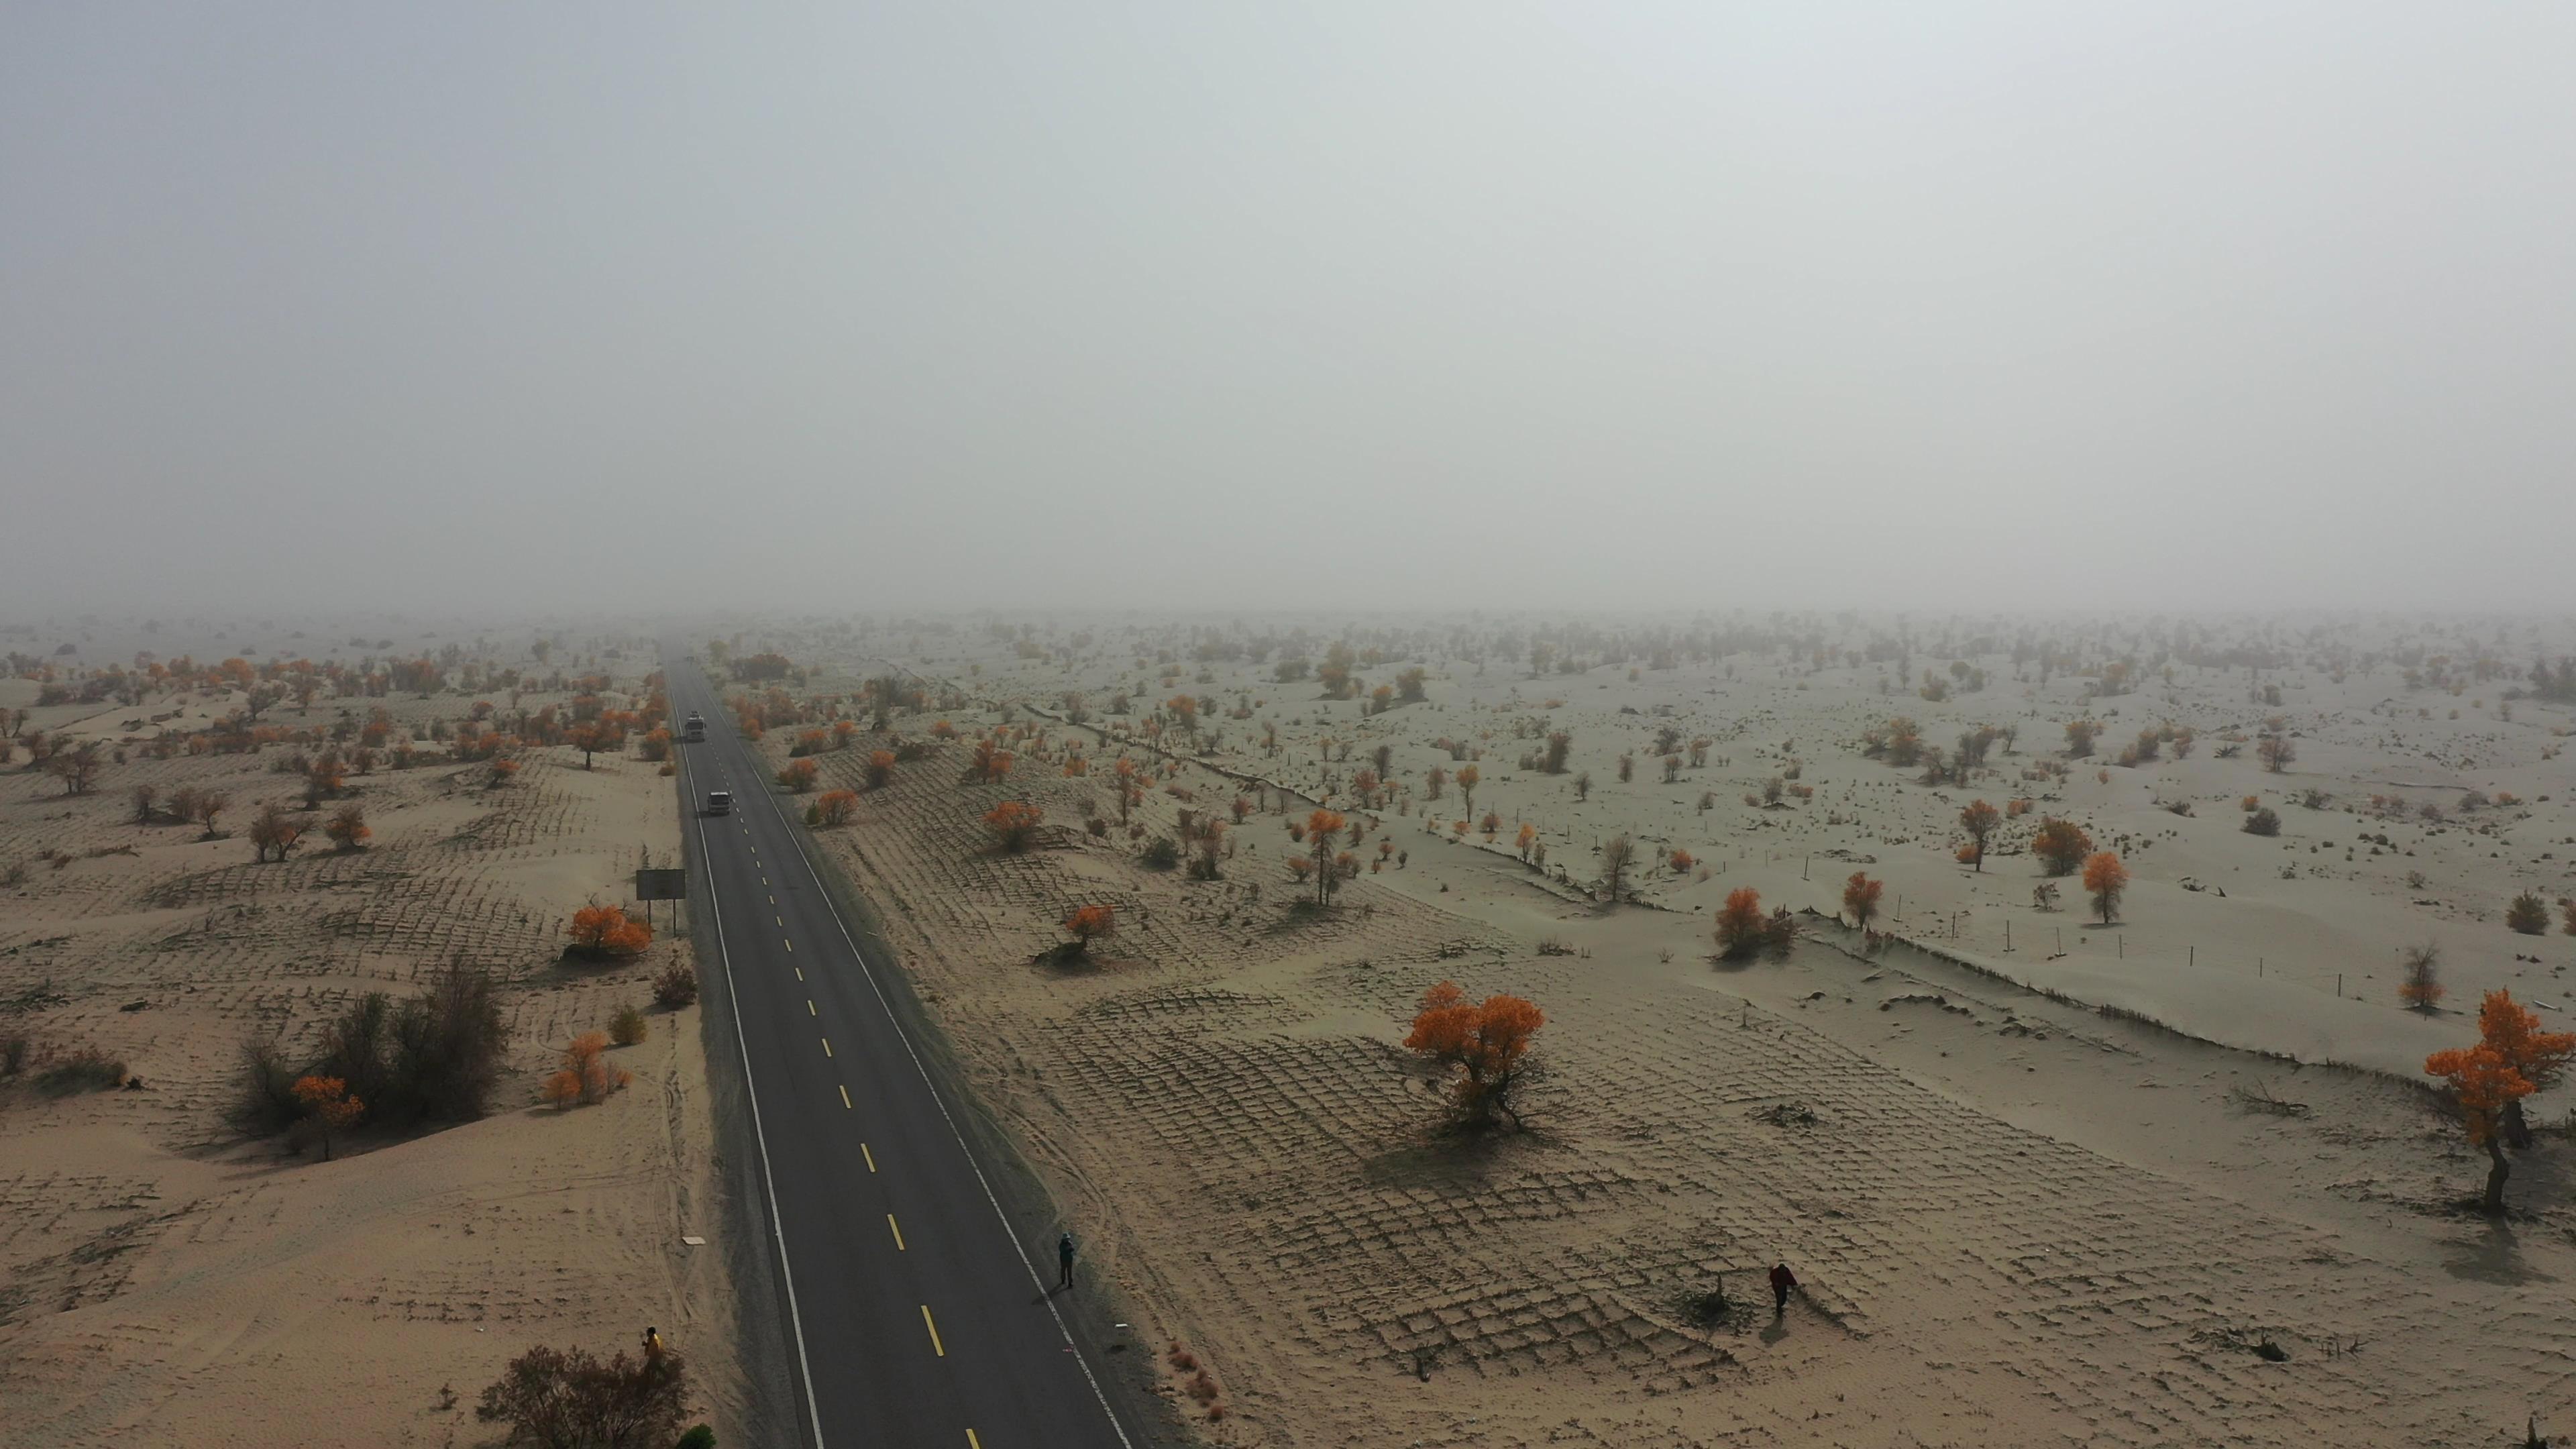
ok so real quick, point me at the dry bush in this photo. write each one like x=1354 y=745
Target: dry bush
x=676 y=986
x=1617 y=854
x=2421 y=988
x=2259 y=1097
x=798 y=777
x=628 y=1027
x=274 y=832
x=2264 y=821
x=834 y=808
x=570 y=1400
x=436 y=1056
x=265 y=1101
x=86 y=1070
x=2276 y=752
x=1559 y=744
x=2528 y=914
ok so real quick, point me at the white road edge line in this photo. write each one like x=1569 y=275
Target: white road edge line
x=777 y=1229
x=941 y=1103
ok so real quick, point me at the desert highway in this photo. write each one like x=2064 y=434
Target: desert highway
x=916 y=1316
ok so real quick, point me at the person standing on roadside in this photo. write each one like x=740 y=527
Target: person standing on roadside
x=1064 y=1261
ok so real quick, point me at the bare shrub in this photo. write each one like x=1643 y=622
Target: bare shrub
x=563 y=1399
x=86 y=1070
x=676 y=986
x=1617 y=853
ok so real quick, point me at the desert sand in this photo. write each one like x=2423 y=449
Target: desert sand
x=170 y=1280
x=2177 y=1181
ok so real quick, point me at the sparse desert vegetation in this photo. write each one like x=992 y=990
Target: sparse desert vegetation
x=1387 y=859
x=278 y=918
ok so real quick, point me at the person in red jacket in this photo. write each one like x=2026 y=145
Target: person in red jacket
x=1782 y=1282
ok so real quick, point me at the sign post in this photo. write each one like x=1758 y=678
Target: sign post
x=660 y=885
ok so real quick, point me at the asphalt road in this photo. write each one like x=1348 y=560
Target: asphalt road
x=916 y=1316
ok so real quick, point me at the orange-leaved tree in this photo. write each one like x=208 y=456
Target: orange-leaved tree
x=2541 y=1057
x=1979 y=819
x=990 y=763
x=1321 y=826
x=586 y=1075
x=1488 y=1041
x=798 y=777
x=348 y=826
x=1741 y=926
x=1088 y=924
x=1681 y=861
x=2061 y=846
x=274 y=832
x=2483 y=1087
x=1860 y=899
x=880 y=769
x=1467 y=777
x=601 y=931
x=1014 y=824
x=835 y=807
x=2105 y=878
x=327 y=1102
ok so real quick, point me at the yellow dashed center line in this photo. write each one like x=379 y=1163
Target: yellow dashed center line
x=972 y=1442
x=845 y=1097
x=934 y=1331
x=809 y=1007
x=827 y=1046
x=799 y=970
x=897 y=1231
x=870 y=1156
x=790 y=945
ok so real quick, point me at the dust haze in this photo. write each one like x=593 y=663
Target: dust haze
x=2181 y=308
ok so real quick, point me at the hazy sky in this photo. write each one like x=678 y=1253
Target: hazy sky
x=1217 y=305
